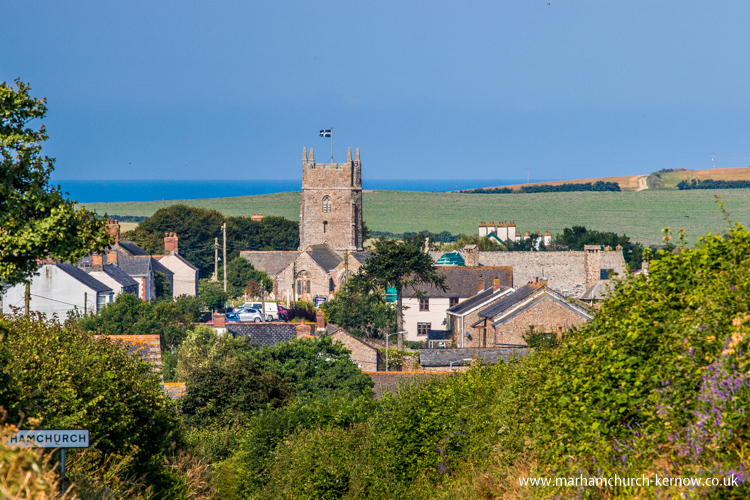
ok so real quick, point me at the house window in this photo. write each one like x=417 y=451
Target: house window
x=453 y=301
x=424 y=304
x=101 y=300
x=604 y=273
x=423 y=328
x=326 y=204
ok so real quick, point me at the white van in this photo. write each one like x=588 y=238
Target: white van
x=271 y=311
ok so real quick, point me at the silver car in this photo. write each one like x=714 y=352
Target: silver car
x=249 y=314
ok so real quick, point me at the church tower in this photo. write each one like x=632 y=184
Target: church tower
x=331 y=207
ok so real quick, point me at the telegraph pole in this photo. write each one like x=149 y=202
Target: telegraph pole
x=27 y=298
x=224 y=230
x=216 y=259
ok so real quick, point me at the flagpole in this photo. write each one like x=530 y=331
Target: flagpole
x=331 y=144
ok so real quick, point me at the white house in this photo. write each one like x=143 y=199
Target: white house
x=185 y=280
x=59 y=288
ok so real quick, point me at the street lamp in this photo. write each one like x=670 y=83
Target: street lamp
x=387 y=335
x=465 y=359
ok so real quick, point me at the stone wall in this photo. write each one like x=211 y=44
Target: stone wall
x=546 y=315
x=339 y=221
x=565 y=272
x=363 y=355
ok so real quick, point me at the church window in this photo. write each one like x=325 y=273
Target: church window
x=307 y=286
x=325 y=226
x=326 y=204
x=331 y=285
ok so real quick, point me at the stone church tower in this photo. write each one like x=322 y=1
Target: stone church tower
x=331 y=207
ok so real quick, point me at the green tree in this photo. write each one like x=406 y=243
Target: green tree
x=212 y=294
x=197 y=229
x=239 y=273
x=316 y=368
x=37 y=220
x=577 y=236
x=230 y=391
x=72 y=380
x=400 y=266
x=361 y=309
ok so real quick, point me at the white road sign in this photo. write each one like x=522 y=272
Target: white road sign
x=50 y=438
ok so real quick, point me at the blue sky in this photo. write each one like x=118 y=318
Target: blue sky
x=234 y=90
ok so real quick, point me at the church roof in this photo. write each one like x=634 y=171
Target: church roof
x=271 y=262
x=325 y=256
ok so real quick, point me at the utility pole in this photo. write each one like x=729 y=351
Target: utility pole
x=216 y=259
x=85 y=303
x=224 y=230
x=27 y=298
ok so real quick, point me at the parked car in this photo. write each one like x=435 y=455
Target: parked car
x=283 y=313
x=271 y=309
x=248 y=314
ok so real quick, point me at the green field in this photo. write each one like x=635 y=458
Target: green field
x=641 y=215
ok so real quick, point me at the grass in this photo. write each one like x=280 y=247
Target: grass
x=671 y=179
x=641 y=215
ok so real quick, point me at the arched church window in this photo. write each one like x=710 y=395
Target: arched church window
x=326 y=204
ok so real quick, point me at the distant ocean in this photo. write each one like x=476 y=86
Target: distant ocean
x=149 y=190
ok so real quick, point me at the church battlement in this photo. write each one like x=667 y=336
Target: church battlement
x=331 y=175
x=331 y=205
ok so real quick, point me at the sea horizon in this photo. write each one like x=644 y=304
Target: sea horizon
x=110 y=191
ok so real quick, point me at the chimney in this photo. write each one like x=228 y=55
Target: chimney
x=320 y=318
x=480 y=284
x=471 y=256
x=97 y=262
x=644 y=267
x=219 y=320
x=113 y=229
x=257 y=217
x=547 y=238
x=496 y=285
x=592 y=264
x=170 y=244
x=112 y=258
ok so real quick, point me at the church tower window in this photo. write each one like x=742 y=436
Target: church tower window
x=326 y=204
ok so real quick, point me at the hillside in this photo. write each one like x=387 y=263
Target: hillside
x=656 y=180
x=639 y=214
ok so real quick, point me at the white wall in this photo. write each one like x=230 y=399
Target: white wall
x=436 y=315
x=53 y=291
x=185 y=280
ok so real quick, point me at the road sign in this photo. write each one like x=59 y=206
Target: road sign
x=318 y=301
x=50 y=438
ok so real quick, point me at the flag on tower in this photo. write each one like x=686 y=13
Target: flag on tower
x=326 y=133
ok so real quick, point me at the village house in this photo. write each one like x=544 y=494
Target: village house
x=461 y=316
x=58 y=289
x=504 y=322
x=185 y=275
x=112 y=276
x=425 y=305
x=363 y=354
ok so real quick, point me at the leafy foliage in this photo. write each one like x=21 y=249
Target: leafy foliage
x=711 y=184
x=197 y=228
x=72 y=380
x=360 y=310
x=37 y=220
x=576 y=237
x=212 y=294
x=231 y=390
x=239 y=273
x=551 y=188
x=129 y=315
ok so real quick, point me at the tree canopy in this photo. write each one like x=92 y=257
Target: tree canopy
x=397 y=265
x=197 y=229
x=37 y=220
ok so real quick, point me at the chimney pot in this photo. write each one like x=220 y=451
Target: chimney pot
x=496 y=285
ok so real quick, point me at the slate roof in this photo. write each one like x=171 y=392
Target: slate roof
x=360 y=256
x=84 y=278
x=131 y=247
x=476 y=300
x=598 y=291
x=139 y=265
x=462 y=281
x=443 y=357
x=270 y=262
x=537 y=300
x=324 y=256
x=264 y=334
x=116 y=274
x=509 y=300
